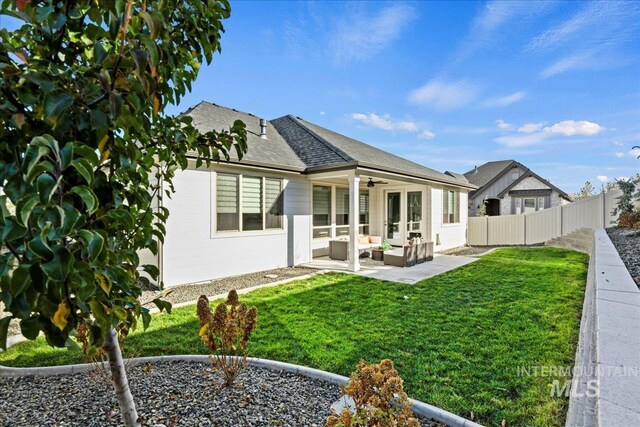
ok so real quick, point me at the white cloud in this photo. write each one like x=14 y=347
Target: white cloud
x=506 y=100
x=534 y=133
x=572 y=127
x=517 y=140
x=504 y=125
x=385 y=122
x=618 y=143
x=530 y=127
x=359 y=36
x=322 y=113
x=445 y=95
x=595 y=23
x=574 y=61
x=596 y=37
x=635 y=152
x=426 y=134
x=602 y=178
x=619 y=154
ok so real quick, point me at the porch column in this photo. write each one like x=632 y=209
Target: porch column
x=354 y=220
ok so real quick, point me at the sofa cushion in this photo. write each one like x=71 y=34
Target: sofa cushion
x=364 y=240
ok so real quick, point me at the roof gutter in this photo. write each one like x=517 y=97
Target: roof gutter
x=253 y=163
x=390 y=171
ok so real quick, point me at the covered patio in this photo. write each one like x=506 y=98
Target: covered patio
x=354 y=203
x=377 y=270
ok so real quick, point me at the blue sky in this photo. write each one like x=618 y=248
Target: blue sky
x=554 y=85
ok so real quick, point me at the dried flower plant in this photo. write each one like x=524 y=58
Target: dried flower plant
x=226 y=332
x=379 y=399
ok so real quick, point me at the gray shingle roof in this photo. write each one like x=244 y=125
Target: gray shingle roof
x=318 y=146
x=487 y=172
x=273 y=151
x=297 y=145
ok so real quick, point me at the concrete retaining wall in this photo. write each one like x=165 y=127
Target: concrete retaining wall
x=606 y=385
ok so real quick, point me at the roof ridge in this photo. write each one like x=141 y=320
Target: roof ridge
x=326 y=143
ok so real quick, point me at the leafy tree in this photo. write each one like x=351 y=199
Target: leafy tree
x=86 y=151
x=587 y=190
x=630 y=195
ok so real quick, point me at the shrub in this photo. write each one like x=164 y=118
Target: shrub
x=226 y=332
x=629 y=220
x=378 y=397
x=385 y=246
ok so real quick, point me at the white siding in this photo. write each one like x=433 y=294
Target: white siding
x=193 y=253
x=451 y=235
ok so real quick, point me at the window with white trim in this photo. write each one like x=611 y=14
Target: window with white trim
x=414 y=213
x=321 y=211
x=342 y=211
x=515 y=175
x=363 y=228
x=248 y=203
x=540 y=203
x=450 y=207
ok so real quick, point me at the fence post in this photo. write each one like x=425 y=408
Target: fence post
x=487 y=221
x=561 y=219
x=604 y=210
x=525 y=228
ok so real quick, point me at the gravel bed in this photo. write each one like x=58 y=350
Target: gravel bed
x=627 y=243
x=167 y=394
x=191 y=292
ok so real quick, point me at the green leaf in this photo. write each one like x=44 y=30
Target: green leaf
x=36 y=150
x=87 y=153
x=84 y=168
x=24 y=207
x=60 y=266
x=4 y=327
x=90 y=200
x=99 y=53
x=55 y=104
x=30 y=328
x=11 y=231
x=146 y=319
x=39 y=247
x=66 y=155
x=20 y=279
x=47 y=185
x=162 y=305
x=95 y=247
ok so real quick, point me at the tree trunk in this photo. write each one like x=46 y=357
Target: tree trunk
x=120 y=382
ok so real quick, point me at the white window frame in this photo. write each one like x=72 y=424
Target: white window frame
x=214 y=205
x=540 y=203
x=445 y=197
x=333 y=228
x=515 y=175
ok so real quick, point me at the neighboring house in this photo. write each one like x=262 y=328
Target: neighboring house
x=299 y=186
x=508 y=187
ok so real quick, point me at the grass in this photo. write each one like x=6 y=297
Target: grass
x=457 y=341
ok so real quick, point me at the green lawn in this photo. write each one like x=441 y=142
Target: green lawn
x=457 y=340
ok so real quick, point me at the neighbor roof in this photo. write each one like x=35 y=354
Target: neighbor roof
x=271 y=152
x=321 y=148
x=297 y=145
x=485 y=175
x=487 y=172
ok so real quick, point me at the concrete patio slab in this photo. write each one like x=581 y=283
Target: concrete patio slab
x=408 y=275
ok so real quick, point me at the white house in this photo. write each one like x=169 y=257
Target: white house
x=298 y=187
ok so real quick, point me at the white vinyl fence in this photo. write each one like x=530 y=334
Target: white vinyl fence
x=538 y=227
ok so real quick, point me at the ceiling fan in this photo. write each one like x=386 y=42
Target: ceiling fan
x=373 y=183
